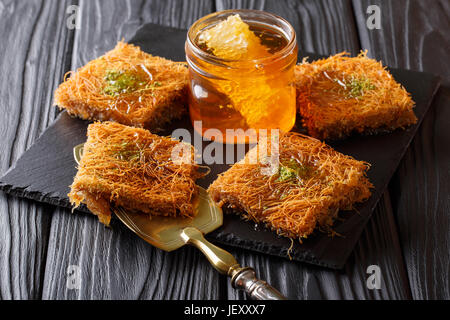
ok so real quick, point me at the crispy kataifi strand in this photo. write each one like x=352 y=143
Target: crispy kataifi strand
x=294 y=208
x=133 y=168
x=159 y=97
x=339 y=95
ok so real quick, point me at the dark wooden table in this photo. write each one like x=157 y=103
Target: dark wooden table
x=408 y=236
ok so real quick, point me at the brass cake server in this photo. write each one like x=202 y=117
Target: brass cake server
x=169 y=234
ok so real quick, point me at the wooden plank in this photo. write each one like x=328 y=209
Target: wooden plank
x=328 y=27
x=414 y=35
x=34 y=43
x=114 y=263
x=421 y=188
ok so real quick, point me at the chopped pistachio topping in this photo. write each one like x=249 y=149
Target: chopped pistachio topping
x=358 y=86
x=286 y=174
x=294 y=170
x=127 y=152
x=120 y=82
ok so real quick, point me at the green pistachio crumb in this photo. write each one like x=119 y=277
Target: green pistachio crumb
x=357 y=87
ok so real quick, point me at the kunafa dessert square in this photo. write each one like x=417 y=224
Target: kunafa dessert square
x=341 y=95
x=311 y=184
x=128 y=86
x=134 y=169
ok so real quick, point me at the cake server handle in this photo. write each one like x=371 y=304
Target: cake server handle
x=241 y=278
x=245 y=279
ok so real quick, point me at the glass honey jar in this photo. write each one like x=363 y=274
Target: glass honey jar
x=233 y=96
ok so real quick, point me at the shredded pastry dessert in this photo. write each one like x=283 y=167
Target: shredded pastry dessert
x=311 y=183
x=340 y=95
x=128 y=86
x=135 y=169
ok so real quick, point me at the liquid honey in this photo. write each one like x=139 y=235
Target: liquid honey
x=246 y=94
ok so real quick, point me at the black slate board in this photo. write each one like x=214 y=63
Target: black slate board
x=46 y=170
